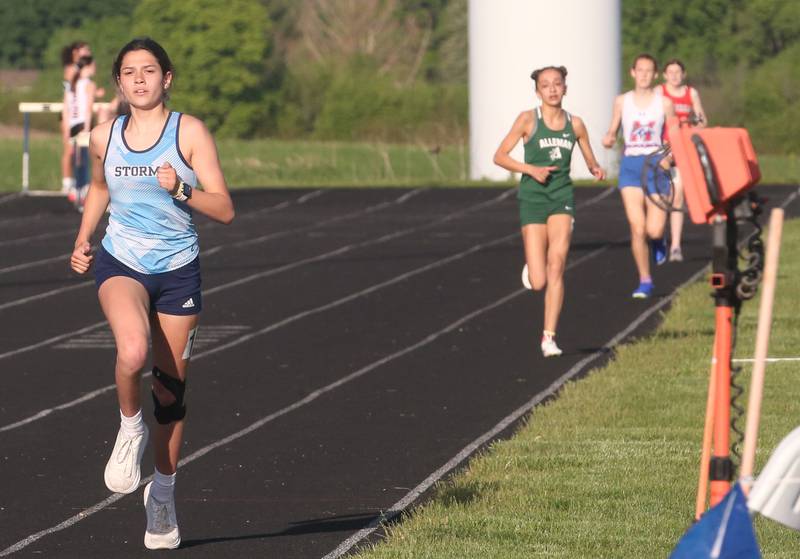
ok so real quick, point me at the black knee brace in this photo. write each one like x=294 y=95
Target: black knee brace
x=177 y=409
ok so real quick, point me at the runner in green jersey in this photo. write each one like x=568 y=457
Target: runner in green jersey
x=545 y=195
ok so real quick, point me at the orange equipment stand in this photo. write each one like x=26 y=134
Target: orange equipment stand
x=717 y=167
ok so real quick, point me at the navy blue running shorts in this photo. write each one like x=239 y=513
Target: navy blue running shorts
x=175 y=292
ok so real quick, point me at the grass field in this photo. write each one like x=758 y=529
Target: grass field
x=301 y=163
x=280 y=163
x=609 y=468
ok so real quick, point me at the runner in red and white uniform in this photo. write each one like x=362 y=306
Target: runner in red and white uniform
x=686 y=101
x=641 y=113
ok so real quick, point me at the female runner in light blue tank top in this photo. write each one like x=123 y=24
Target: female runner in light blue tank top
x=145 y=166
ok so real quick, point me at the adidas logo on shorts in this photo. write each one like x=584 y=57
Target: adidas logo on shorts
x=188 y=304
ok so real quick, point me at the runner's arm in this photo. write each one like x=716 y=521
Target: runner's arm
x=586 y=148
x=669 y=108
x=697 y=107
x=213 y=200
x=96 y=199
x=91 y=88
x=519 y=130
x=616 y=118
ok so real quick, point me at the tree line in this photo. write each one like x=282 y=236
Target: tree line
x=396 y=70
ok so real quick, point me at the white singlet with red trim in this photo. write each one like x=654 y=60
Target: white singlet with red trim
x=641 y=128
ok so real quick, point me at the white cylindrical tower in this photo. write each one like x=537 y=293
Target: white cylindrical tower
x=508 y=39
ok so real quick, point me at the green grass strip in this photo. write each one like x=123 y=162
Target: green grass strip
x=609 y=468
x=289 y=163
x=280 y=163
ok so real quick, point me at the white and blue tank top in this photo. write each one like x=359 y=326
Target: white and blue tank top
x=147 y=229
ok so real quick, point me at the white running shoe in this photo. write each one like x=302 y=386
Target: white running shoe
x=162 y=523
x=123 y=471
x=526 y=279
x=549 y=347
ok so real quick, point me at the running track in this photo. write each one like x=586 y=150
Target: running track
x=356 y=346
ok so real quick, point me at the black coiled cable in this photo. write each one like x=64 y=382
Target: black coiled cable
x=747 y=281
x=737 y=413
x=663 y=193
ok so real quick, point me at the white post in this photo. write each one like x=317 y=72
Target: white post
x=762 y=346
x=26 y=154
x=26 y=108
x=508 y=39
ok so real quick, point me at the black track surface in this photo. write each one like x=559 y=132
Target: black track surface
x=360 y=335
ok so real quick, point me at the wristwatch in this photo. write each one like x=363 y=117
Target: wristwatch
x=182 y=192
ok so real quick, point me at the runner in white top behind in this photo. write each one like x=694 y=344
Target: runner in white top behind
x=641 y=112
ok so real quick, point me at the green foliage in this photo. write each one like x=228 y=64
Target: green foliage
x=710 y=35
x=741 y=54
x=300 y=99
x=360 y=103
x=28 y=25
x=274 y=68
x=771 y=105
x=697 y=32
x=450 y=44
x=105 y=36
x=767 y=27
x=219 y=52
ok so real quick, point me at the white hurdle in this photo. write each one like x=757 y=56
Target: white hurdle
x=36 y=107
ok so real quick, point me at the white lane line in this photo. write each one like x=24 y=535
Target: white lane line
x=376 y=287
x=280 y=269
x=790 y=199
x=45 y=294
x=214 y=250
x=34 y=263
x=288 y=320
x=274 y=326
x=310 y=196
x=52 y=340
x=283 y=411
x=769 y=359
x=208 y=335
x=355 y=295
x=38 y=237
x=471 y=448
x=353 y=246
x=317 y=224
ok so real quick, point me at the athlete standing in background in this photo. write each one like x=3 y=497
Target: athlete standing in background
x=546 y=200
x=641 y=112
x=686 y=101
x=70 y=55
x=79 y=99
x=147 y=268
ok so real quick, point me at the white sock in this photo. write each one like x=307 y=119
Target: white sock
x=163 y=486
x=131 y=426
x=67 y=183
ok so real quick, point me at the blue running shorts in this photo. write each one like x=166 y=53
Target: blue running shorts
x=175 y=292
x=630 y=174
